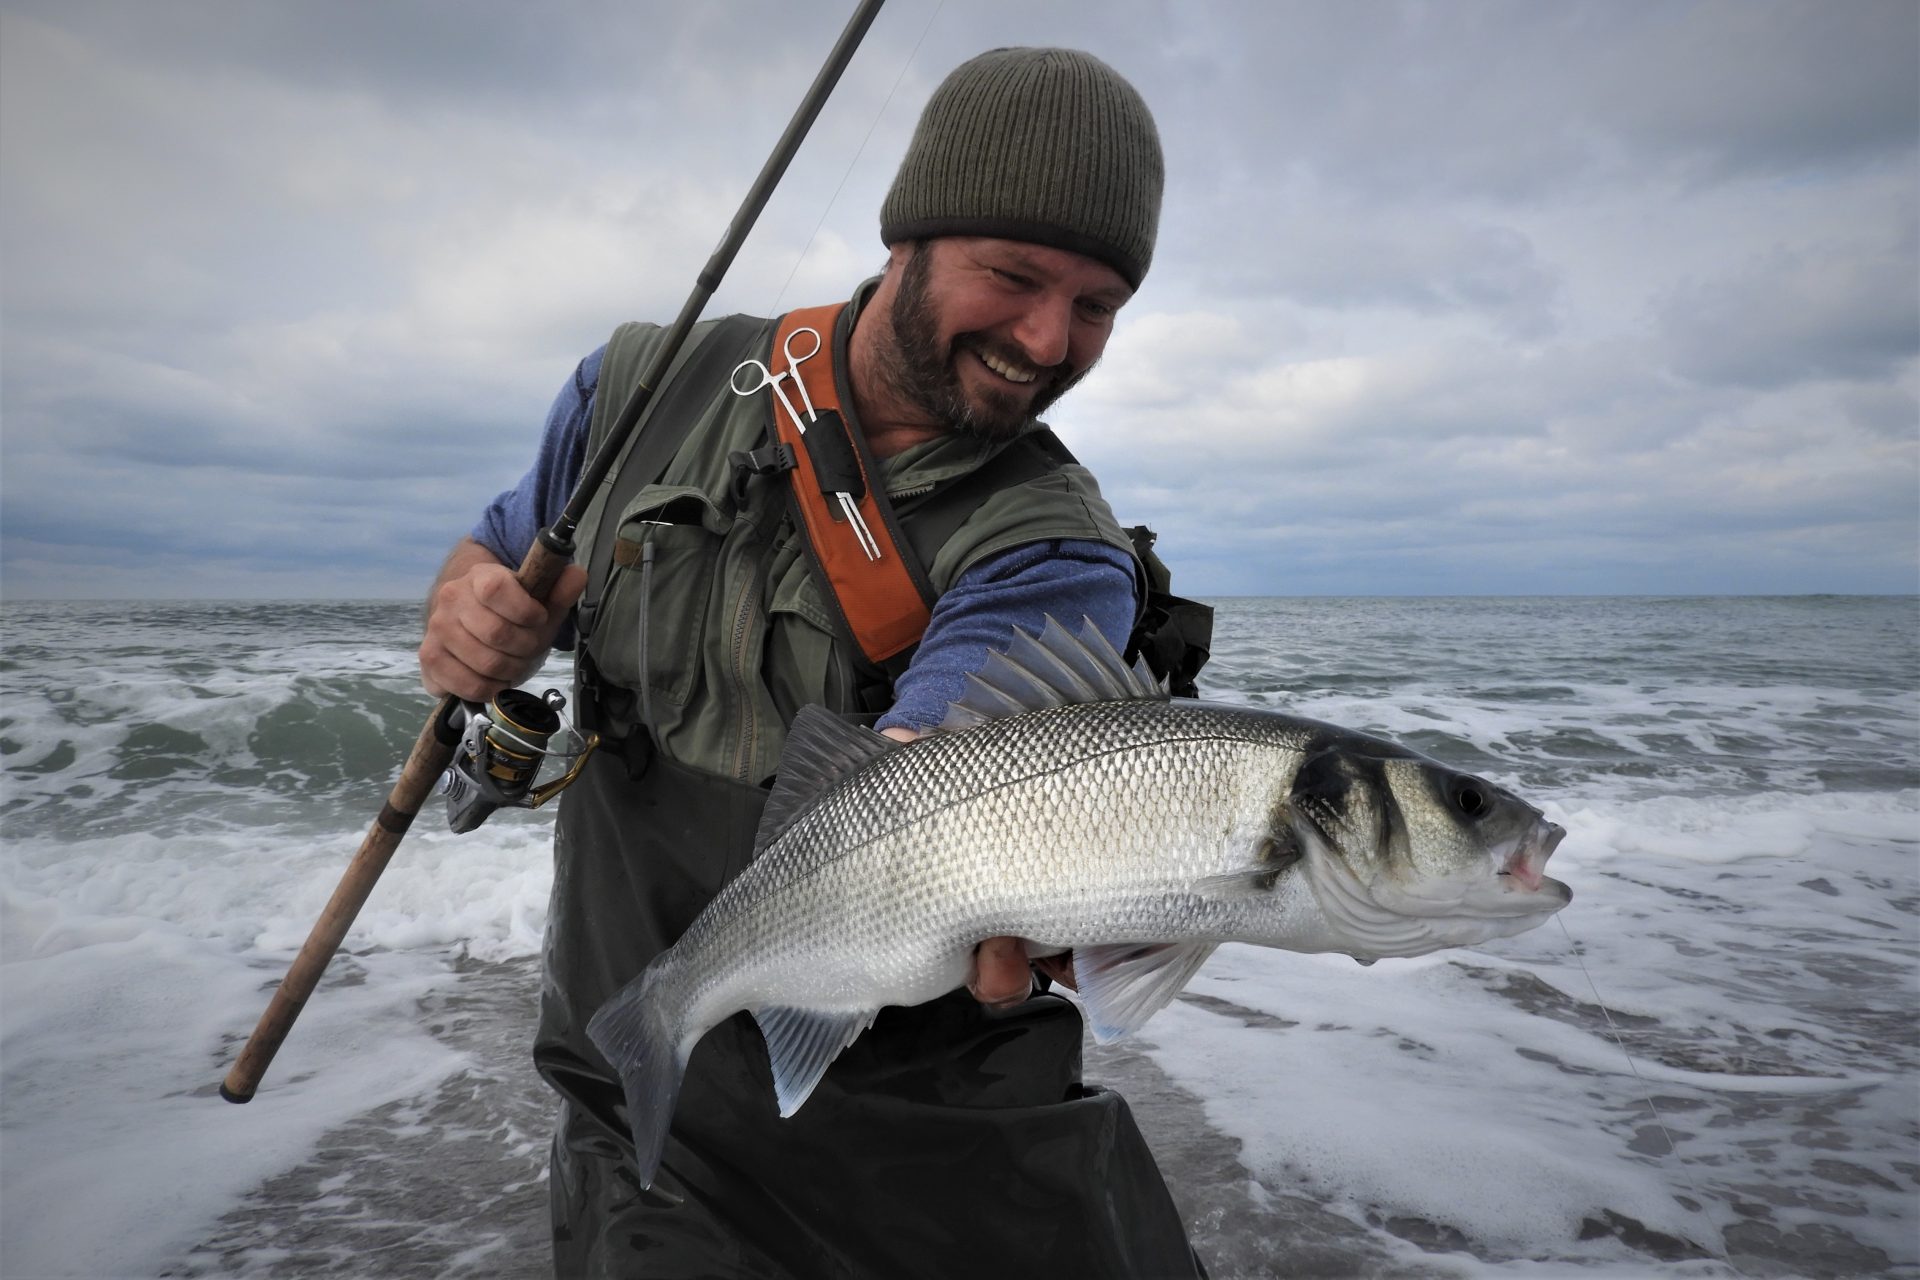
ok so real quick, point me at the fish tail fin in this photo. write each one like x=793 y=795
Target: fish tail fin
x=642 y=1040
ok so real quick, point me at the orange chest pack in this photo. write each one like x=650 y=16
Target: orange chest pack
x=852 y=535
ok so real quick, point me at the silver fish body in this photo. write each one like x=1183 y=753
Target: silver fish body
x=1138 y=832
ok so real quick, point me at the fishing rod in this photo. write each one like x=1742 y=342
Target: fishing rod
x=552 y=551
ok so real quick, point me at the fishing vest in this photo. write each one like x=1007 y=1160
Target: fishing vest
x=705 y=615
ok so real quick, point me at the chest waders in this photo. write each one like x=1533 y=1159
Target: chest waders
x=949 y=1140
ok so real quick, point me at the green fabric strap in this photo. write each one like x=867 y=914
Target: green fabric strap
x=939 y=516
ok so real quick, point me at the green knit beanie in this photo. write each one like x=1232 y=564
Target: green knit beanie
x=1049 y=146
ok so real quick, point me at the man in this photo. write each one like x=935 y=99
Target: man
x=950 y=1138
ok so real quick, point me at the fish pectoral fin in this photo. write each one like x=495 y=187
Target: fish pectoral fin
x=802 y=1044
x=1234 y=884
x=1274 y=855
x=1123 y=985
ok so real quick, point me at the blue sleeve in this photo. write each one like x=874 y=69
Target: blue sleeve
x=1019 y=588
x=514 y=519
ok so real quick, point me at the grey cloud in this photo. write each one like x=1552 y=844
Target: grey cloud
x=1886 y=410
x=1829 y=311
x=1326 y=253
x=288 y=287
x=1463 y=473
x=1517 y=100
x=1736 y=87
x=423 y=54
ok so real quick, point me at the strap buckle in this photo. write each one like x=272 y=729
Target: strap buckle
x=774 y=459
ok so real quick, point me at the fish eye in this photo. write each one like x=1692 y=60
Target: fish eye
x=1469 y=796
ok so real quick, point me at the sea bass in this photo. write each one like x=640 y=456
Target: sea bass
x=1068 y=801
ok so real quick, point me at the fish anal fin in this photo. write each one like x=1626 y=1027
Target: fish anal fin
x=821 y=750
x=802 y=1044
x=1125 y=984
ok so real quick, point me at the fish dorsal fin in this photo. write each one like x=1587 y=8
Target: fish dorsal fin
x=1055 y=669
x=1124 y=985
x=821 y=750
x=802 y=1044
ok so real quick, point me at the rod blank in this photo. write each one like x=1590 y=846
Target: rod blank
x=434 y=750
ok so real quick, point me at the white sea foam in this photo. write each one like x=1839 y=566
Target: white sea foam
x=1741 y=844
x=485 y=893
x=114 y=1030
x=1397 y=1084
x=132 y=968
x=1482 y=1090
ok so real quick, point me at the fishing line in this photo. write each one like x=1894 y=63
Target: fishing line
x=1646 y=1091
x=913 y=53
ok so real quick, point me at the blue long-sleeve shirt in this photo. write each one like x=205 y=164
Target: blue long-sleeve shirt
x=1067 y=578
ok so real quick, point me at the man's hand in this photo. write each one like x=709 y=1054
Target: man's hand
x=483 y=632
x=1002 y=975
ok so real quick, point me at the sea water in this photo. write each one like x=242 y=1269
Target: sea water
x=1707 y=1065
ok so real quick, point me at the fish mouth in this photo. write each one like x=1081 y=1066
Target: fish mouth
x=1524 y=871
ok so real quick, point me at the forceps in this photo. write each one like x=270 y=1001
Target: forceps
x=766 y=377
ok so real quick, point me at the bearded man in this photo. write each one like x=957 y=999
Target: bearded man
x=953 y=1138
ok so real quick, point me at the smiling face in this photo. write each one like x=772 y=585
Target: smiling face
x=984 y=333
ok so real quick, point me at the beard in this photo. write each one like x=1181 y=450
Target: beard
x=920 y=370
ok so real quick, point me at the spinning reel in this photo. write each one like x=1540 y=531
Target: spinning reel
x=502 y=746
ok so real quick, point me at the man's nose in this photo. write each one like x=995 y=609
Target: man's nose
x=1045 y=330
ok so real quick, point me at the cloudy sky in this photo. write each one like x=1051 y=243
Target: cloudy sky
x=1450 y=298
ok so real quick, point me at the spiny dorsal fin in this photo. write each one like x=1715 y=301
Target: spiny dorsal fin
x=821 y=750
x=1055 y=670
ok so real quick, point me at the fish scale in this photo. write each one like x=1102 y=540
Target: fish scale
x=1137 y=831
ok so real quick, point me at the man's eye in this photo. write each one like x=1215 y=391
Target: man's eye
x=1013 y=278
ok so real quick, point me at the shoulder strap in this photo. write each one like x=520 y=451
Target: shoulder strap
x=670 y=418
x=852 y=535
x=939 y=515
x=931 y=521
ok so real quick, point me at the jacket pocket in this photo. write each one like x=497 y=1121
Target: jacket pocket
x=660 y=592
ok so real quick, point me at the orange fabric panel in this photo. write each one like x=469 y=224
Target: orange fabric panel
x=877 y=597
